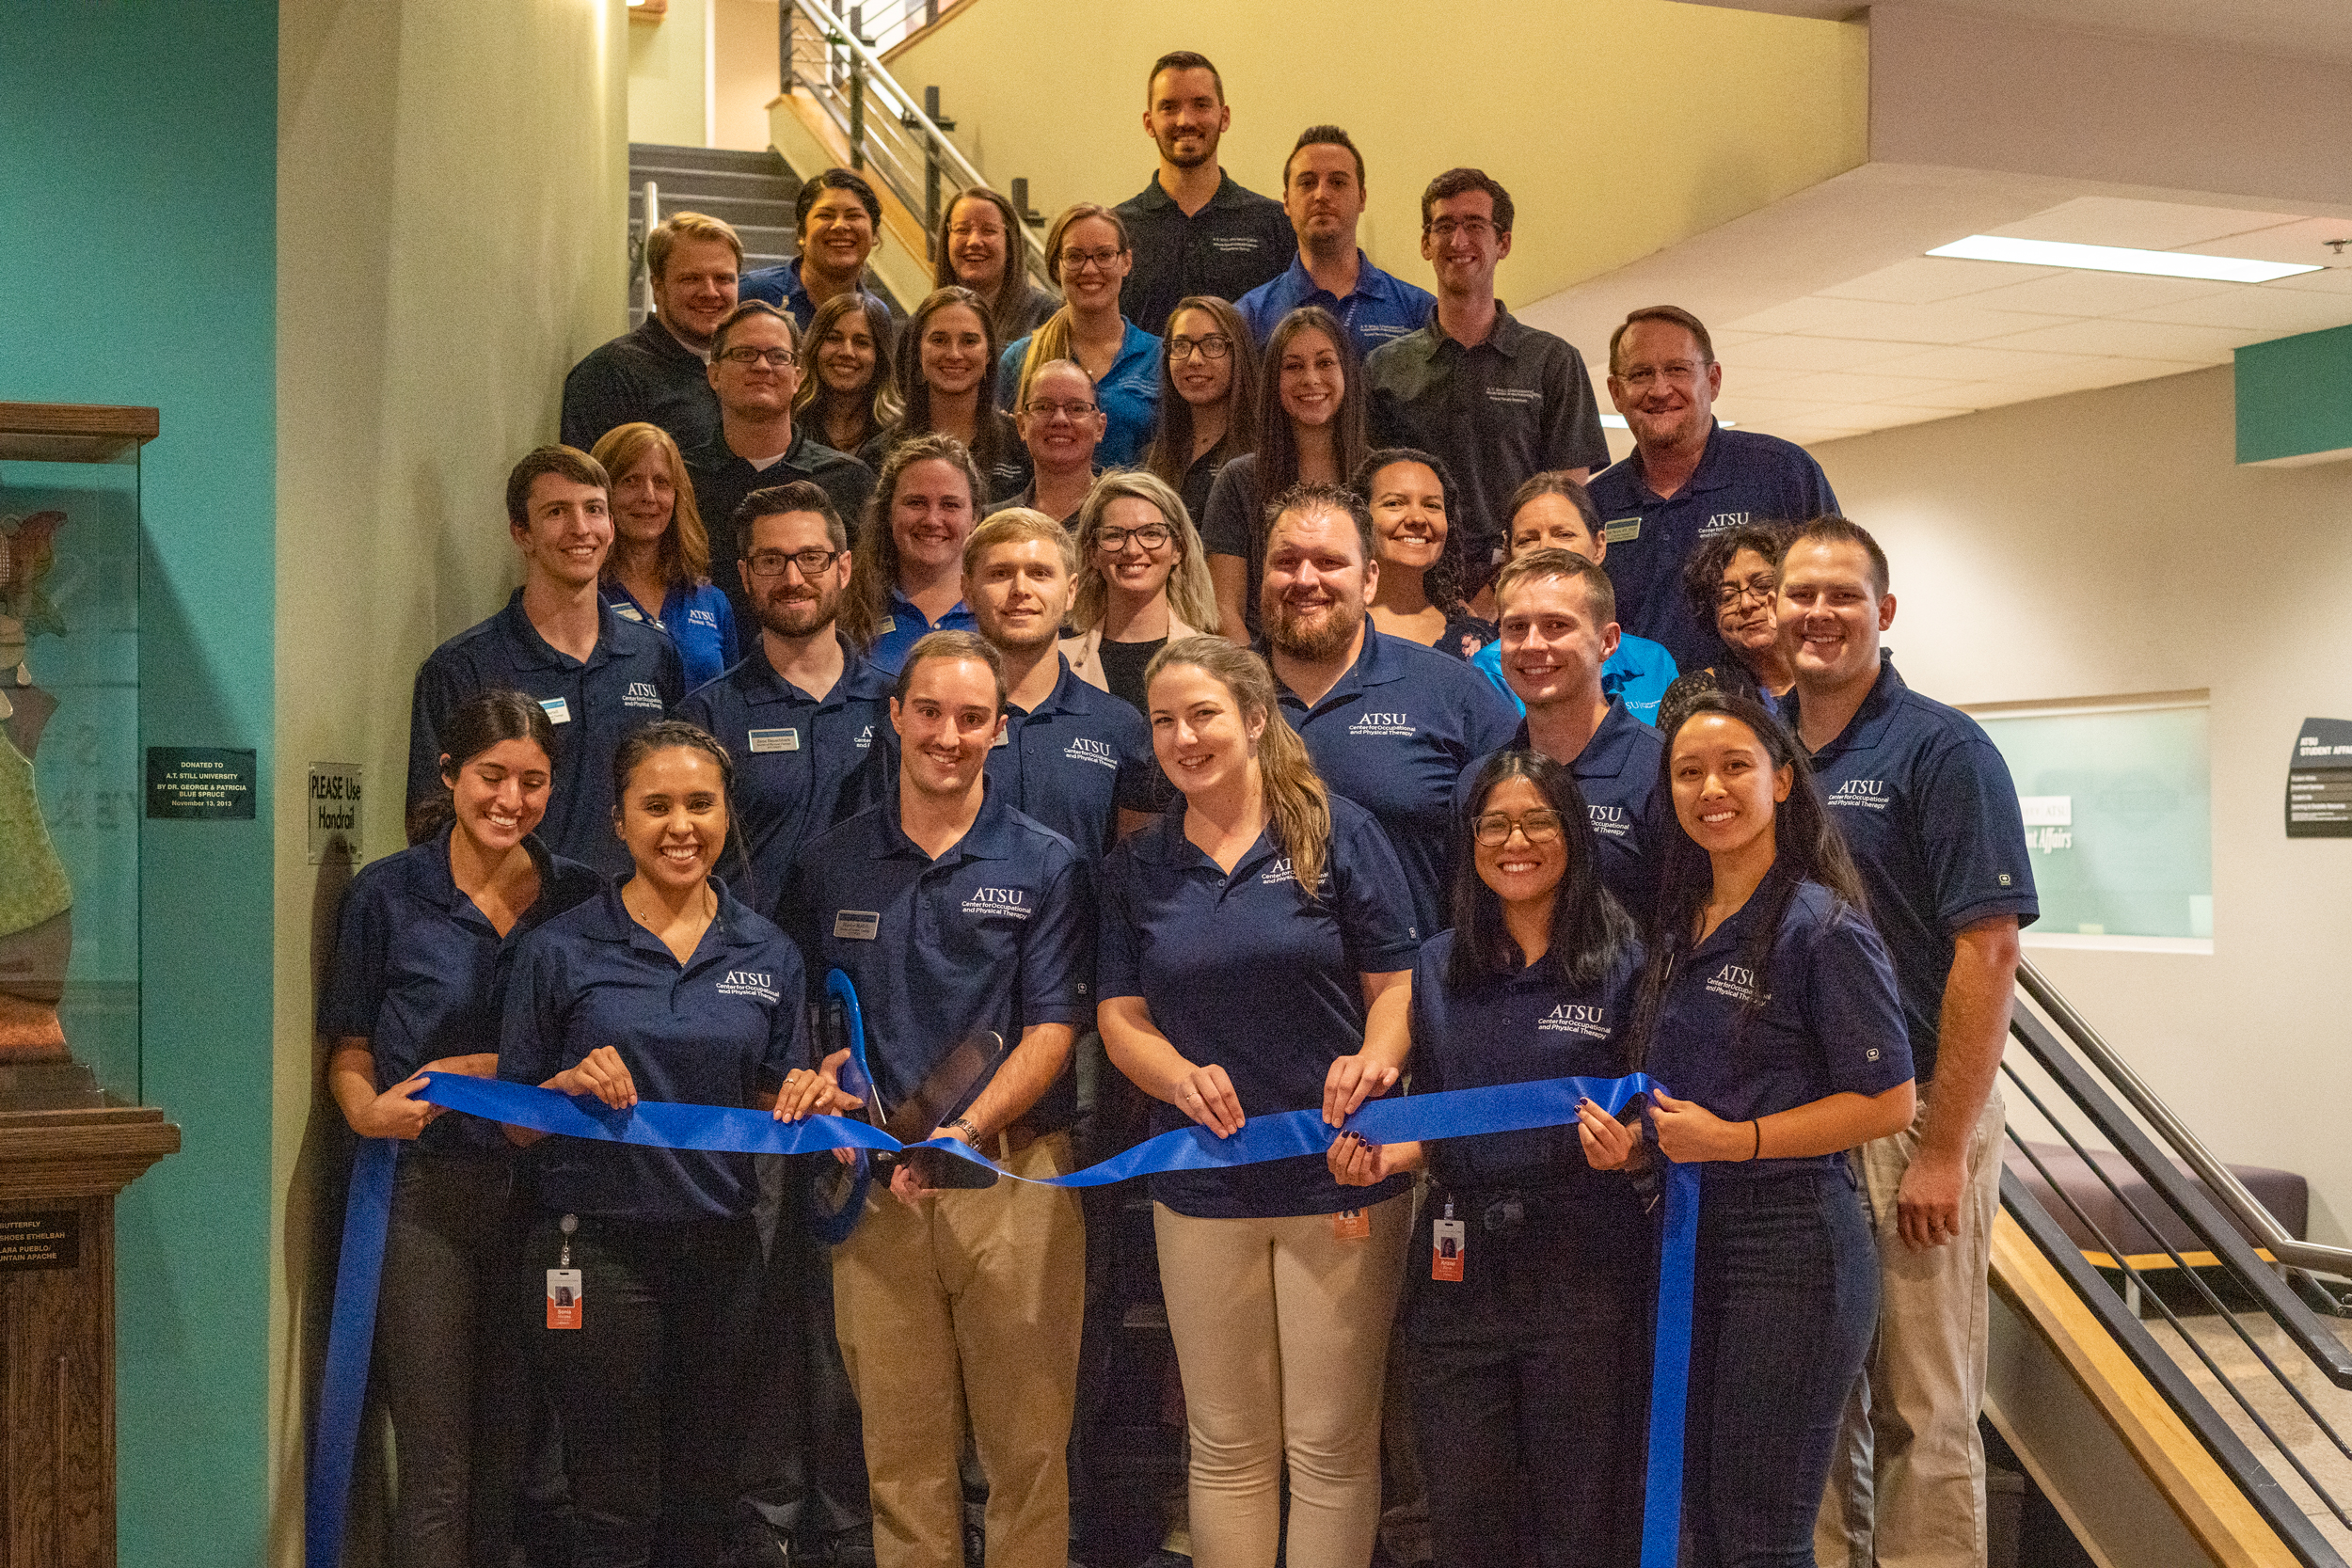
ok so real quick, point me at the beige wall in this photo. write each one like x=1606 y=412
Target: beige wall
x=450 y=190
x=1608 y=152
x=2104 y=545
x=670 y=67
x=743 y=46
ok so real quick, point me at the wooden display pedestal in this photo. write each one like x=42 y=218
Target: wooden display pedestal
x=60 y=1171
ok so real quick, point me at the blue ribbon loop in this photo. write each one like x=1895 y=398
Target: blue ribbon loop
x=655 y=1124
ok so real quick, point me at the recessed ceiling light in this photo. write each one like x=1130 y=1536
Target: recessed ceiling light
x=2111 y=258
x=1616 y=422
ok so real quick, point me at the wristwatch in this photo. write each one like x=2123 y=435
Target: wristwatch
x=971 y=1133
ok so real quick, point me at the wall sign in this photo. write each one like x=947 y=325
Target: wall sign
x=334 y=811
x=200 y=784
x=2319 y=781
x=30 y=1241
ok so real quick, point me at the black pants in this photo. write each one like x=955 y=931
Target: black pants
x=650 y=1387
x=445 y=1360
x=1787 y=1301
x=1531 y=1380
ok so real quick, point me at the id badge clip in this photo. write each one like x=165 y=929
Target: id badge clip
x=1449 y=1247
x=565 y=1297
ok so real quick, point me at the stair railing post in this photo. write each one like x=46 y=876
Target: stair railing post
x=785 y=78
x=652 y=220
x=857 y=90
x=930 y=178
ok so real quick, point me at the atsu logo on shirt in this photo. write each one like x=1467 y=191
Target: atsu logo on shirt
x=1609 y=822
x=1518 y=397
x=1235 y=245
x=1571 y=1018
x=1865 y=794
x=1736 y=983
x=1279 y=871
x=1083 y=750
x=642 y=694
x=1381 y=723
x=702 y=618
x=748 y=982
x=1723 y=522
x=1011 y=902
x=865 y=738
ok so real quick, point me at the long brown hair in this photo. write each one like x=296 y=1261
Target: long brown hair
x=685 y=552
x=914 y=393
x=1012 y=290
x=1296 y=800
x=813 y=403
x=874 y=564
x=1190 y=593
x=1278 y=443
x=1172 y=449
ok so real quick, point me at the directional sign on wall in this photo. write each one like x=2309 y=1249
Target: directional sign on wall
x=2319 y=781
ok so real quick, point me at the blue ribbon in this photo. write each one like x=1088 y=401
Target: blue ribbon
x=656 y=1124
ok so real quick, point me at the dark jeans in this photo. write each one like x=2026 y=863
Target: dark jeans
x=1788 y=1297
x=1531 y=1382
x=445 y=1360
x=649 y=1389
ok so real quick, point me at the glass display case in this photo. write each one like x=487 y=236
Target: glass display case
x=70 y=776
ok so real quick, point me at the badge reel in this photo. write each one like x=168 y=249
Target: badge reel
x=566 y=1299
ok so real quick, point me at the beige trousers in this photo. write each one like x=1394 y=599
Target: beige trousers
x=1281 y=1335
x=1906 y=1483
x=969 y=1304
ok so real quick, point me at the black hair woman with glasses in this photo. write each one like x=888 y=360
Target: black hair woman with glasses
x=1208 y=397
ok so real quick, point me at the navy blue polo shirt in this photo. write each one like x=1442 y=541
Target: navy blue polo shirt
x=1830 y=1021
x=1517 y=1029
x=1128 y=395
x=1393 y=734
x=1743 y=477
x=646 y=375
x=720 y=1029
x=419 y=968
x=1630 y=815
x=997 y=933
x=1517 y=404
x=802 y=764
x=630 y=679
x=1381 y=308
x=781 y=287
x=1929 y=812
x=698 y=619
x=903 y=626
x=1227 y=248
x=1245 y=972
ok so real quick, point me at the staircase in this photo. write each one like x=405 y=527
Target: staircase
x=754 y=191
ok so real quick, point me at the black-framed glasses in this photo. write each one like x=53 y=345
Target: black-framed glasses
x=1152 y=536
x=1216 y=345
x=1761 y=586
x=776 y=359
x=771 y=564
x=1078 y=261
x=1537 y=826
x=1043 y=410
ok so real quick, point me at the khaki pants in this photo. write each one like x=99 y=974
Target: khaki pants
x=969 y=1304
x=1906 y=1483
x=1281 y=1333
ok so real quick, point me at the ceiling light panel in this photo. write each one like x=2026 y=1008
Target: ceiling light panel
x=2105 y=258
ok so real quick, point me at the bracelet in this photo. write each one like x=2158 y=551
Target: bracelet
x=1758 y=1149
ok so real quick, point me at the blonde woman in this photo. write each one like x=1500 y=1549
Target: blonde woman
x=659 y=570
x=1087 y=253
x=1143 y=582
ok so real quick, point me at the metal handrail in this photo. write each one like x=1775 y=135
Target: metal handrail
x=2313 y=1255
x=644 y=255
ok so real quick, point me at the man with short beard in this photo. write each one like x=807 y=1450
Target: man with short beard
x=800 y=713
x=1390 y=724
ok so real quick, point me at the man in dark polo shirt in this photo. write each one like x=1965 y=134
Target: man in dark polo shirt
x=1322 y=196
x=655 y=372
x=1688 y=479
x=755 y=371
x=1927 y=809
x=1497 y=400
x=599 y=677
x=1192 y=231
x=836 y=220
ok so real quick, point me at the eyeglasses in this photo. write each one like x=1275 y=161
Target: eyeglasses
x=1216 y=346
x=1071 y=411
x=1537 y=826
x=1078 y=261
x=771 y=564
x=974 y=231
x=1445 y=229
x=1152 y=536
x=776 y=359
x=1682 y=373
x=1760 y=586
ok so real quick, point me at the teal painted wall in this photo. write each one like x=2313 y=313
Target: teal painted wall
x=2294 y=396
x=137 y=256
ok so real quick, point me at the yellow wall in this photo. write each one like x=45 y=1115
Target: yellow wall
x=451 y=239
x=669 y=76
x=1619 y=126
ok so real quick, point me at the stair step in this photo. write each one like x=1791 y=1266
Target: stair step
x=721 y=158
x=756 y=187
x=743 y=214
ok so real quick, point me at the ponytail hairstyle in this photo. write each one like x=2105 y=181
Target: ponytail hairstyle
x=485 y=720
x=1441 y=584
x=1590 y=930
x=1807 y=847
x=685 y=553
x=675 y=734
x=874 y=561
x=1294 y=793
x=1050 y=340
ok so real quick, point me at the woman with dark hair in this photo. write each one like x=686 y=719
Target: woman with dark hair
x=906 y=574
x=979 y=248
x=1531 y=1441
x=1732 y=583
x=947 y=382
x=1768 y=1014
x=847 y=395
x=1088 y=257
x=1310 y=427
x=1419 y=596
x=1208 y=397
x=658 y=569
x=664 y=986
x=420 y=958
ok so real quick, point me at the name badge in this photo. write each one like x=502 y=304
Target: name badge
x=1004 y=737
x=1449 y=1243
x=889 y=624
x=559 y=711
x=1350 y=1225
x=565 y=1298
x=775 y=740
x=857 y=925
x=1616 y=530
